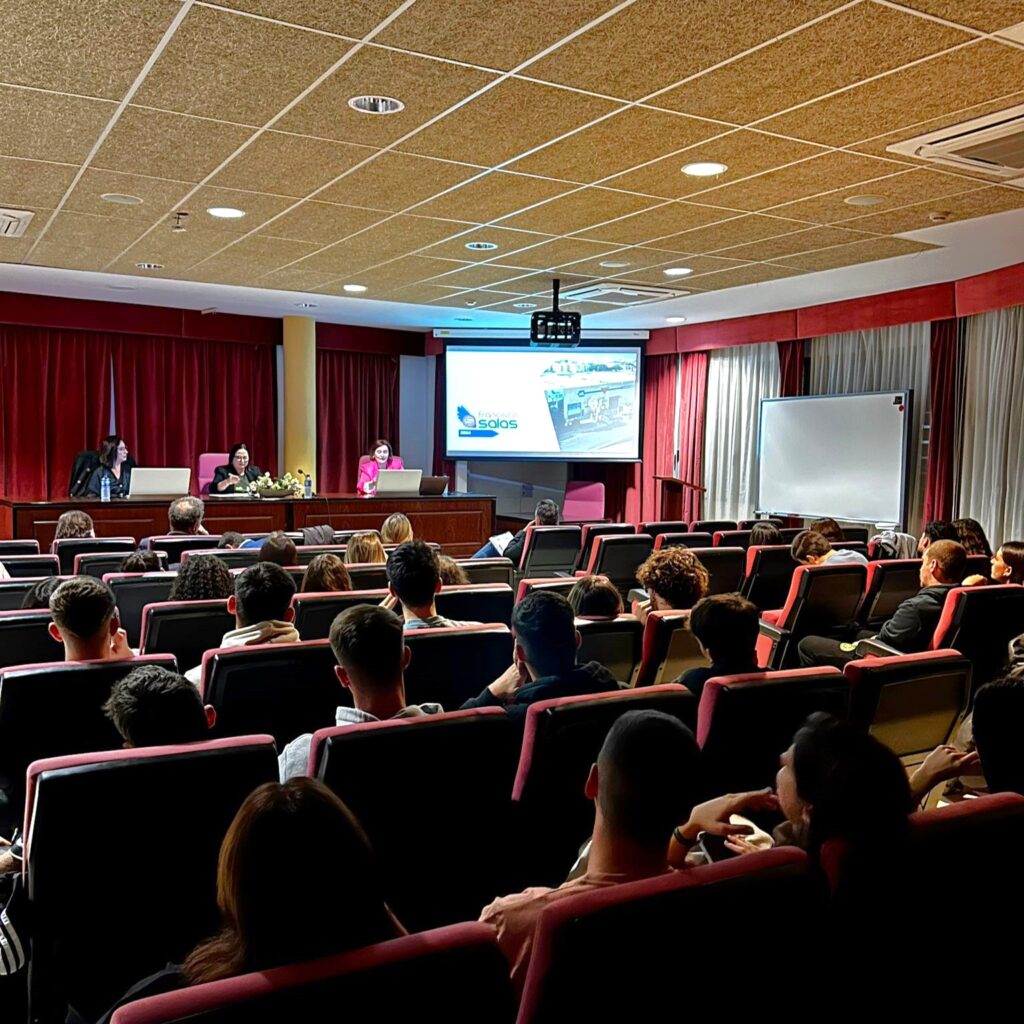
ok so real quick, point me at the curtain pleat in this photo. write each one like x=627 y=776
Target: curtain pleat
x=659 y=444
x=946 y=397
x=693 y=388
x=791 y=368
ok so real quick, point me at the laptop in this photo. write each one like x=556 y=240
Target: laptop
x=161 y=483
x=431 y=485
x=404 y=482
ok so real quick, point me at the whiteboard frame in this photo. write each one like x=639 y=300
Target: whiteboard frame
x=908 y=401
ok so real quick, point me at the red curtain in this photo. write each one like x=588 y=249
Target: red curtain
x=791 y=368
x=442 y=466
x=945 y=397
x=693 y=399
x=659 y=442
x=356 y=402
x=175 y=399
x=54 y=403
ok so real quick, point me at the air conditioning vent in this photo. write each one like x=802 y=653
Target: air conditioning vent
x=14 y=222
x=993 y=144
x=620 y=293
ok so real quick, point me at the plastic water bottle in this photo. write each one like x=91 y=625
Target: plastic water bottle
x=307 y=486
x=105 y=488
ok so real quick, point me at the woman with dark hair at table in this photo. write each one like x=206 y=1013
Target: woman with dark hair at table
x=237 y=474
x=381 y=456
x=115 y=465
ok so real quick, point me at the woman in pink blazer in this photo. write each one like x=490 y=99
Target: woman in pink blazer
x=381 y=457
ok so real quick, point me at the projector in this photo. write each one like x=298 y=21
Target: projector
x=554 y=329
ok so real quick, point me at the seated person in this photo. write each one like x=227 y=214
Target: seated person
x=140 y=561
x=414 y=581
x=365 y=549
x=381 y=456
x=305 y=914
x=937 y=529
x=39 y=595
x=236 y=476
x=278 y=548
x=262 y=607
x=726 y=627
x=230 y=539
x=325 y=572
x=372 y=657
x=595 y=597
x=202 y=578
x=85 y=621
x=396 y=529
x=452 y=574
x=544 y=659
x=998 y=712
x=971 y=535
x=185 y=517
x=812 y=548
x=1007 y=565
x=545 y=514
x=74 y=523
x=114 y=466
x=913 y=623
x=674 y=578
x=829 y=529
x=764 y=534
x=154 y=707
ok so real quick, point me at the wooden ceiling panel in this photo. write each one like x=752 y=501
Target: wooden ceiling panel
x=291 y=279
x=796 y=241
x=561 y=251
x=29 y=183
x=45 y=126
x=493 y=196
x=480 y=275
x=323 y=223
x=753 y=273
x=507 y=241
x=859 y=252
x=397 y=273
x=636 y=258
x=984 y=15
x=668 y=219
x=157 y=194
x=580 y=210
x=978 y=203
x=353 y=18
x=716 y=237
x=700 y=265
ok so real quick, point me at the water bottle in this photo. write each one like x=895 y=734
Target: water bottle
x=104 y=488
x=307 y=487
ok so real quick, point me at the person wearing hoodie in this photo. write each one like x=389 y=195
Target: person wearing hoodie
x=543 y=659
x=262 y=607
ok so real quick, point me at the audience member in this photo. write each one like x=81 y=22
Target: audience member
x=996 y=721
x=726 y=627
x=396 y=529
x=372 y=657
x=813 y=548
x=414 y=580
x=544 y=659
x=262 y=607
x=972 y=536
x=545 y=514
x=829 y=529
x=202 y=578
x=85 y=621
x=452 y=574
x=911 y=627
x=1007 y=566
x=365 y=548
x=140 y=561
x=674 y=578
x=764 y=534
x=154 y=707
x=278 y=548
x=185 y=516
x=272 y=917
x=937 y=529
x=595 y=597
x=74 y=523
x=230 y=539
x=39 y=595
x=325 y=572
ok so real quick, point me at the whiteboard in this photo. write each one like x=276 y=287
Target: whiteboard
x=843 y=456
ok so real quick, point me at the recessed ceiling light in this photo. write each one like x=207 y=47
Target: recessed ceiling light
x=864 y=200
x=122 y=287
x=525 y=305
x=677 y=271
x=612 y=265
x=353 y=288
x=376 y=104
x=481 y=246
x=704 y=169
x=150 y=266
x=306 y=305
x=675 y=319
x=120 y=199
x=471 y=302
x=225 y=212
x=464 y=319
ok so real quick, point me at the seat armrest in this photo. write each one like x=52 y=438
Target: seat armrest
x=874 y=648
x=773 y=632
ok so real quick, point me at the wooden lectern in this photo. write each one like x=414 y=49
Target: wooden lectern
x=671 y=489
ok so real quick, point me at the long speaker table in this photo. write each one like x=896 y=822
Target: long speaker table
x=460 y=523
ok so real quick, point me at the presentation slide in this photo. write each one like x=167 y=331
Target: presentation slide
x=556 y=404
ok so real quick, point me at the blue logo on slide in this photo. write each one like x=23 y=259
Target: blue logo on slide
x=466 y=418
x=486 y=425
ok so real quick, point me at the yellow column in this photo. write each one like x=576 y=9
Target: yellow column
x=300 y=395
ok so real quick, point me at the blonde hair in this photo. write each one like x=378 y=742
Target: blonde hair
x=365 y=547
x=396 y=529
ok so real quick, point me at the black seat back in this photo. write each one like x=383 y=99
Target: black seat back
x=769 y=572
x=732 y=538
x=133 y=591
x=448 y=666
x=684 y=539
x=20 y=566
x=889 y=584
x=67 y=547
x=725 y=568
x=233 y=558
x=25 y=638
x=619 y=557
x=591 y=531
x=177 y=543
x=99 y=564
x=186 y=629
x=550 y=550
x=12 y=592
x=488 y=570
x=615 y=643
x=18 y=547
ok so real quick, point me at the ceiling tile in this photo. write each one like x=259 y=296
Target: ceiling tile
x=751 y=228
x=561 y=251
x=31 y=183
x=396 y=274
x=507 y=240
x=753 y=273
x=291 y=279
x=176 y=252
x=743 y=152
x=698 y=264
x=598 y=151
x=14 y=250
x=978 y=203
x=985 y=15
x=257 y=206
x=637 y=259
x=859 y=252
x=354 y=18
x=493 y=196
x=618 y=57
x=289 y=165
x=506 y=121
x=818 y=60
x=157 y=194
x=42 y=43
x=541 y=284
x=796 y=241
x=424 y=293
x=667 y=219
x=426 y=87
x=267 y=248
x=83 y=231
x=930 y=89
x=163 y=145
x=82 y=257
x=580 y=210
x=43 y=126
x=323 y=223
x=235 y=69
x=480 y=275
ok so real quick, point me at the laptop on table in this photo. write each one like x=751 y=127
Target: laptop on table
x=158 y=483
x=403 y=483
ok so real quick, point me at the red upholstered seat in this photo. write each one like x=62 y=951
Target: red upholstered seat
x=731 y=538
x=725 y=568
x=556 y=584
x=591 y=531
x=186 y=629
x=656 y=526
x=889 y=584
x=549 y=550
x=684 y=539
x=584 y=499
x=713 y=525
x=619 y=557
x=616 y=643
x=669 y=648
x=98 y=564
x=67 y=547
x=132 y=592
x=233 y=558
x=767 y=576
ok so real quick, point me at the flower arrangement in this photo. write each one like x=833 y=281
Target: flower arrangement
x=267 y=486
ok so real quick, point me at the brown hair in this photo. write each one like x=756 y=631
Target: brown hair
x=828 y=528
x=396 y=529
x=971 y=535
x=809 y=544
x=82 y=606
x=74 y=523
x=279 y=548
x=271 y=917
x=365 y=547
x=595 y=595
x=376 y=444
x=1013 y=555
x=949 y=558
x=325 y=572
x=676 y=575
x=452 y=574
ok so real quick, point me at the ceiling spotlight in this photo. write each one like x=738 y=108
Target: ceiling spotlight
x=677 y=271
x=306 y=305
x=525 y=305
x=471 y=302
x=122 y=287
x=675 y=319
x=225 y=212
x=376 y=104
x=354 y=289
x=704 y=169
x=612 y=265
x=150 y=266
x=120 y=199
x=481 y=246
x=864 y=200
x=939 y=217
x=178 y=225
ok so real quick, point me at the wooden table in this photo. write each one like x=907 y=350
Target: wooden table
x=460 y=523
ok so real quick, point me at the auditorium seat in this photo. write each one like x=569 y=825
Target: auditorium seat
x=186 y=629
x=980 y=565
x=98 y=564
x=442 y=782
x=233 y=558
x=858 y=534
x=553 y=584
x=712 y=526
x=25 y=638
x=745 y=722
x=561 y=740
x=790 y=533
x=174 y=544
x=12 y=592
x=209 y=462
x=67 y=547
x=725 y=568
x=133 y=591
x=364 y=575
x=20 y=566
x=769 y=571
x=731 y=539
x=851 y=545
x=749 y=524
x=583 y=502
x=121 y=854
x=281 y=689
x=911 y=702
x=666 y=947
x=450 y=665
x=488 y=570
x=656 y=526
x=618 y=558
x=669 y=648
x=822 y=601
x=615 y=643
x=51 y=709
x=889 y=584
x=682 y=539
x=18 y=547
x=454 y=974
x=304 y=554
x=550 y=550
x=590 y=531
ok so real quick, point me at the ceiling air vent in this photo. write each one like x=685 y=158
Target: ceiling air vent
x=993 y=144
x=14 y=222
x=620 y=294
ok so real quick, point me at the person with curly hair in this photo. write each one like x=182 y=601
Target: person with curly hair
x=202 y=578
x=325 y=572
x=452 y=574
x=396 y=529
x=74 y=523
x=674 y=578
x=971 y=535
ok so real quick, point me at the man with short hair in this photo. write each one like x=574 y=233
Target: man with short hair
x=85 y=621
x=185 y=516
x=368 y=644
x=913 y=623
x=726 y=627
x=278 y=548
x=154 y=707
x=544 y=659
x=937 y=529
x=262 y=607
x=545 y=514
x=414 y=581
x=813 y=548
